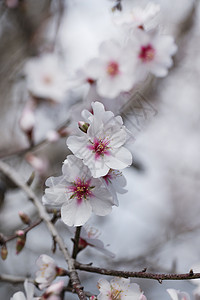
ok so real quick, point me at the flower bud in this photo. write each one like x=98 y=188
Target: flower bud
x=21 y=240
x=24 y=217
x=83 y=126
x=82 y=244
x=4 y=252
x=52 y=136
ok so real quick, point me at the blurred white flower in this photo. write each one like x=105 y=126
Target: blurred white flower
x=118 y=289
x=177 y=295
x=136 y=16
x=46 y=77
x=112 y=70
x=27 y=119
x=29 y=290
x=115 y=182
x=53 y=291
x=101 y=148
x=89 y=237
x=38 y=163
x=78 y=192
x=47 y=271
x=152 y=53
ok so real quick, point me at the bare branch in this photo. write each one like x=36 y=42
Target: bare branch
x=142 y=274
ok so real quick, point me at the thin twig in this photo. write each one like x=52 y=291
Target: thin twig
x=14 y=176
x=141 y=274
x=27 y=229
x=76 y=241
x=14 y=279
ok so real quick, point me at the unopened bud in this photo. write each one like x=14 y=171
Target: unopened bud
x=21 y=240
x=83 y=126
x=24 y=217
x=38 y=163
x=63 y=132
x=4 y=252
x=52 y=136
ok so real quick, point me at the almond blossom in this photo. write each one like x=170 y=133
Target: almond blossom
x=112 y=70
x=47 y=271
x=89 y=237
x=78 y=193
x=101 y=148
x=46 y=78
x=136 y=16
x=152 y=53
x=29 y=291
x=115 y=182
x=177 y=295
x=118 y=289
x=53 y=291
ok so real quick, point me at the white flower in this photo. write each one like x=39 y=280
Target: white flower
x=136 y=16
x=29 y=290
x=89 y=237
x=177 y=295
x=47 y=271
x=152 y=53
x=115 y=182
x=53 y=291
x=113 y=69
x=101 y=148
x=78 y=192
x=118 y=289
x=46 y=78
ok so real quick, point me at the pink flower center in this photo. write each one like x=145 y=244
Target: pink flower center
x=81 y=190
x=99 y=147
x=112 y=174
x=113 y=68
x=147 y=53
x=115 y=294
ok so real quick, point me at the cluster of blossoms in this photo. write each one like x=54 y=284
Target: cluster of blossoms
x=92 y=173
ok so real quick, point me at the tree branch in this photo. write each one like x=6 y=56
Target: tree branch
x=141 y=274
x=14 y=279
x=14 y=176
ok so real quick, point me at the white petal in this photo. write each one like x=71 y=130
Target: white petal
x=78 y=145
x=120 y=159
x=29 y=289
x=102 y=202
x=74 y=214
x=18 y=296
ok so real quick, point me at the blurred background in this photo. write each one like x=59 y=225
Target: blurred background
x=157 y=223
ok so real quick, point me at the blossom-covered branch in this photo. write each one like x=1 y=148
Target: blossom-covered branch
x=14 y=176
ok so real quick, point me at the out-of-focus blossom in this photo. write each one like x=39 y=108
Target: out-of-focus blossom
x=29 y=290
x=152 y=53
x=101 y=148
x=46 y=77
x=47 y=271
x=118 y=289
x=53 y=291
x=38 y=163
x=12 y=3
x=115 y=182
x=89 y=237
x=137 y=16
x=78 y=192
x=27 y=120
x=52 y=136
x=112 y=70
x=177 y=295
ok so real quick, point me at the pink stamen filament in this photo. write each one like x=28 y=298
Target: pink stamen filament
x=81 y=190
x=99 y=147
x=113 y=68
